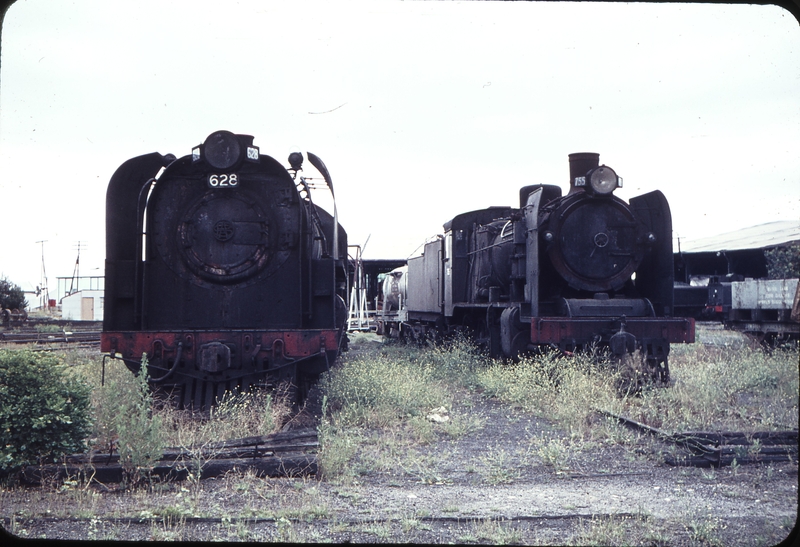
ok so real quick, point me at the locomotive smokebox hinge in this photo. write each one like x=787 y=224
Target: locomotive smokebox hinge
x=214 y=357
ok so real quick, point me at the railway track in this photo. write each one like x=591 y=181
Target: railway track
x=87 y=338
x=284 y=454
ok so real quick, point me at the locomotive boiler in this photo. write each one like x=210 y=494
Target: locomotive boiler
x=220 y=267
x=566 y=271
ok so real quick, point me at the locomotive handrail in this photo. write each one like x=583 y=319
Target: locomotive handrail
x=138 y=275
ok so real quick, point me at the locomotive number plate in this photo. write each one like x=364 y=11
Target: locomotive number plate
x=223 y=180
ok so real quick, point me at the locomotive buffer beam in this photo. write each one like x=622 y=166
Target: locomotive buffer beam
x=572 y=331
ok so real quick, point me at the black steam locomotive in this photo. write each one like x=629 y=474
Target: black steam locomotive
x=222 y=270
x=563 y=271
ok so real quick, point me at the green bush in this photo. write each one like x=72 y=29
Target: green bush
x=44 y=410
x=783 y=262
x=11 y=296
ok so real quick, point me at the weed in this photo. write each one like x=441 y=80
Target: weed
x=381 y=530
x=710 y=474
x=499 y=467
x=619 y=530
x=337 y=446
x=494 y=531
x=242 y=531
x=236 y=415
x=379 y=391
x=788 y=522
x=45 y=328
x=124 y=414
x=286 y=531
x=423 y=469
x=169 y=529
x=407 y=524
x=553 y=452
x=705 y=530
x=463 y=425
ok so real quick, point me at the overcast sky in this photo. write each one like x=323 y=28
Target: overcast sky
x=420 y=110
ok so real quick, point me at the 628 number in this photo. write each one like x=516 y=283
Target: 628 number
x=223 y=181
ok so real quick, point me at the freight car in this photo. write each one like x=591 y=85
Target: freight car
x=766 y=309
x=567 y=271
x=220 y=267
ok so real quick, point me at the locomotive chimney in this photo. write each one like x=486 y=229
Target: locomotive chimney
x=580 y=164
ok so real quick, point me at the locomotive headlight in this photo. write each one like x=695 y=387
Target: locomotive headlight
x=296 y=160
x=222 y=150
x=603 y=180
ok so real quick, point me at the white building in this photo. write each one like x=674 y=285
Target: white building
x=86 y=305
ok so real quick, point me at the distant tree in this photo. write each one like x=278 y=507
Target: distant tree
x=783 y=262
x=11 y=296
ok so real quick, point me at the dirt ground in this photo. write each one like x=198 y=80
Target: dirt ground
x=514 y=480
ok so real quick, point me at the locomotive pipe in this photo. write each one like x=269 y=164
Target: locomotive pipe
x=172 y=369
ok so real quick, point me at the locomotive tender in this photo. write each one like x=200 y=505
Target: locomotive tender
x=561 y=271
x=222 y=270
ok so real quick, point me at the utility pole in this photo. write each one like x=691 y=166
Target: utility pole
x=44 y=292
x=74 y=284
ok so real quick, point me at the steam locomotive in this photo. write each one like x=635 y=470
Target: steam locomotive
x=566 y=271
x=221 y=269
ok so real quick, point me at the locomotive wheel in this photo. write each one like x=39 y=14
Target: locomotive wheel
x=514 y=337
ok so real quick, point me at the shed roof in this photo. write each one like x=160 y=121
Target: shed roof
x=761 y=236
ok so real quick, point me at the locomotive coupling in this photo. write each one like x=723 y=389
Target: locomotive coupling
x=214 y=357
x=623 y=342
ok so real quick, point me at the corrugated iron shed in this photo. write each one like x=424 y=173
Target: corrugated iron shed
x=762 y=236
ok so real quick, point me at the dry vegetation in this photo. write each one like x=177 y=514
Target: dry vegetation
x=397 y=418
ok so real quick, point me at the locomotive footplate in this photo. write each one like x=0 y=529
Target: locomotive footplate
x=571 y=332
x=226 y=354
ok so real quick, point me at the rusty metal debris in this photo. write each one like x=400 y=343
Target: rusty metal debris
x=717 y=449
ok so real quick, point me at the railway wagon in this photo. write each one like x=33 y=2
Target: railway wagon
x=766 y=309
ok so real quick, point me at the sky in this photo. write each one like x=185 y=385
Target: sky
x=420 y=110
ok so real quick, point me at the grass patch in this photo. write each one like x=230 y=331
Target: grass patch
x=619 y=530
x=392 y=392
x=714 y=389
x=401 y=393
x=718 y=388
x=564 y=389
x=378 y=420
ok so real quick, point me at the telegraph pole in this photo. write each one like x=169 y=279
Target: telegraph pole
x=44 y=292
x=76 y=272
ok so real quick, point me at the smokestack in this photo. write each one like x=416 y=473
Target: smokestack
x=580 y=164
